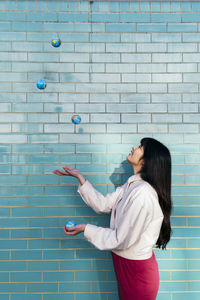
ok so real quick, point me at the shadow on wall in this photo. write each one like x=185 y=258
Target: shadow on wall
x=125 y=170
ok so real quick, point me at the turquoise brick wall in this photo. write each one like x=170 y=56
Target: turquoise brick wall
x=130 y=69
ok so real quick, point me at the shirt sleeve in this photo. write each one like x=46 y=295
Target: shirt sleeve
x=94 y=199
x=133 y=222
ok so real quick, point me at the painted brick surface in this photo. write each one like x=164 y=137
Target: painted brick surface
x=130 y=69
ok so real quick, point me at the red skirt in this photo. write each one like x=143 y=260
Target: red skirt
x=137 y=279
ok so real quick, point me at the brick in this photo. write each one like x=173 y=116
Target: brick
x=183 y=68
x=47 y=97
x=191 y=57
x=85 y=67
x=90 y=107
x=133 y=17
x=105 y=118
x=135 y=37
x=151 y=47
x=152 y=88
x=58 y=107
x=136 y=118
x=74 y=286
x=183 y=108
x=13 y=138
x=117 y=47
x=190 y=77
x=104 y=37
x=121 y=128
x=90 y=87
x=58 y=128
x=5 y=128
x=87 y=128
x=121 y=107
x=12 y=56
x=166 y=17
x=43 y=138
x=182 y=87
x=58 y=27
x=191 y=118
x=185 y=128
x=166 y=98
x=121 y=88
x=166 y=118
x=103 y=17
x=106 y=57
x=151 y=68
x=191 y=37
x=90 y=27
x=182 y=47
x=107 y=138
x=88 y=47
x=105 y=78
x=74 y=138
x=43 y=117
x=166 y=77
x=74 y=57
x=184 y=27
x=166 y=57
x=188 y=17
x=136 y=77
x=17 y=287
x=166 y=37
x=151 y=27
x=120 y=68
x=152 y=128
x=136 y=58
x=121 y=27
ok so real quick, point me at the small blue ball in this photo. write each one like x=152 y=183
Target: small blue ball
x=76 y=119
x=41 y=84
x=70 y=224
x=56 y=42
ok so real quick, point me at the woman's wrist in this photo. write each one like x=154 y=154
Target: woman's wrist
x=81 y=179
x=84 y=225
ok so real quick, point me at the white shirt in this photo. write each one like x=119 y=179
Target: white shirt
x=136 y=218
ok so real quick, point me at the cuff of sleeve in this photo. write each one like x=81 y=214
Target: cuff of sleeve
x=83 y=188
x=90 y=232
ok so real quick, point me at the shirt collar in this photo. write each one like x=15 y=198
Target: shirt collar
x=135 y=177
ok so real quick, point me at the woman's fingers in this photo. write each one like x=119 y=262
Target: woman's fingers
x=72 y=231
x=67 y=171
x=67 y=232
x=67 y=168
x=59 y=172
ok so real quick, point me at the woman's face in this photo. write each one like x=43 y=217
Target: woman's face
x=135 y=155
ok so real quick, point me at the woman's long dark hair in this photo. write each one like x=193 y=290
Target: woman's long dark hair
x=156 y=170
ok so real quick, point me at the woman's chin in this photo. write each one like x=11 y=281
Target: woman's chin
x=127 y=158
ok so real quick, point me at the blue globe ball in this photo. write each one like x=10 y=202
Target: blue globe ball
x=41 y=84
x=70 y=224
x=56 y=42
x=76 y=119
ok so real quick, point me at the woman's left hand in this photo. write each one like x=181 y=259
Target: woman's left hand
x=75 y=230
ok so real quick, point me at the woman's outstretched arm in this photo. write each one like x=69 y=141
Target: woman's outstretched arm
x=93 y=198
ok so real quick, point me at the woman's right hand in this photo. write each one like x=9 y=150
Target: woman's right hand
x=70 y=172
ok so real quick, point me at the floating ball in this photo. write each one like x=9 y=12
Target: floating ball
x=41 y=84
x=56 y=42
x=76 y=119
x=70 y=224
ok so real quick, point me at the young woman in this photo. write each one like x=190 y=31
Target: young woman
x=140 y=218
